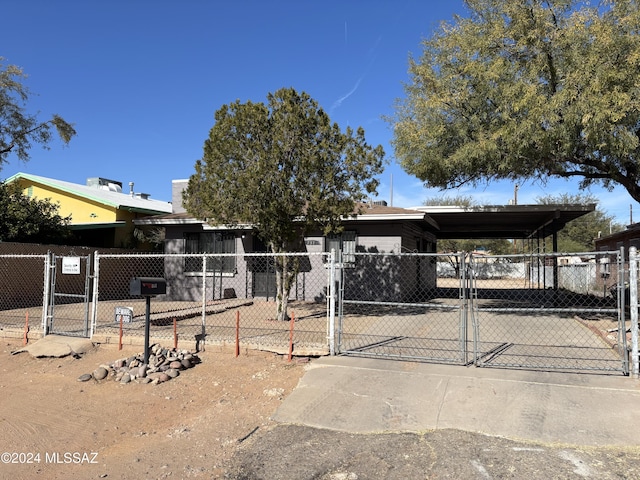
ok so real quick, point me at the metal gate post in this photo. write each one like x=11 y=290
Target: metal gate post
x=464 y=314
x=203 y=316
x=633 y=291
x=474 y=316
x=46 y=298
x=332 y=302
x=87 y=293
x=94 y=299
x=51 y=307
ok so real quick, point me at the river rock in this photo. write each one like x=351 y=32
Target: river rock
x=162 y=365
x=100 y=373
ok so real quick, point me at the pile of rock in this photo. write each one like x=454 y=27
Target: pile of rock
x=164 y=364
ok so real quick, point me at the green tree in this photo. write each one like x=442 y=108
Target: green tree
x=579 y=234
x=284 y=168
x=23 y=219
x=526 y=89
x=18 y=129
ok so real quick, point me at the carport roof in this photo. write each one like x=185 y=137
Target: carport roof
x=502 y=221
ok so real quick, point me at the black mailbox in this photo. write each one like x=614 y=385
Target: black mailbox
x=147 y=286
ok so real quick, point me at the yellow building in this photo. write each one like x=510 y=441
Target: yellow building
x=101 y=213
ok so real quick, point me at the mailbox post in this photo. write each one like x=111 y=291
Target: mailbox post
x=147 y=287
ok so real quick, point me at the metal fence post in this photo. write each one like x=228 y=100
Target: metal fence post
x=47 y=293
x=633 y=292
x=204 y=293
x=332 y=302
x=96 y=289
x=466 y=304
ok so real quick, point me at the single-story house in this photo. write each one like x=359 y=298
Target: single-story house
x=627 y=238
x=102 y=215
x=379 y=228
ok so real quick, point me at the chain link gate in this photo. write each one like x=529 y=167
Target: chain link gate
x=543 y=311
x=391 y=306
x=68 y=295
x=550 y=311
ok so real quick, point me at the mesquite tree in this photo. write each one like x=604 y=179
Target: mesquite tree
x=19 y=128
x=526 y=89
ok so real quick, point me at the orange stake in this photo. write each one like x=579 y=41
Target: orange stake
x=120 y=338
x=25 y=340
x=175 y=333
x=293 y=319
x=237 y=333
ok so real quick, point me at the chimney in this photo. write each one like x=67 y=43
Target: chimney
x=131 y=188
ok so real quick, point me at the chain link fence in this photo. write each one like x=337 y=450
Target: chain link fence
x=542 y=311
x=23 y=286
x=215 y=298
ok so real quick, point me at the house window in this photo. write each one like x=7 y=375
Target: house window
x=345 y=242
x=210 y=242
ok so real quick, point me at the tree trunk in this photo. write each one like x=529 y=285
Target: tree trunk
x=286 y=272
x=282 y=290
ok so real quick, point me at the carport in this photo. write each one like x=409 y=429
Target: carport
x=527 y=312
x=526 y=222
x=529 y=223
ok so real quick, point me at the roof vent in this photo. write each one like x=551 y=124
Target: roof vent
x=143 y=196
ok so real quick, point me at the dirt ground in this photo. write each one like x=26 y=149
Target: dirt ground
x=189 y=427
x=213 y=421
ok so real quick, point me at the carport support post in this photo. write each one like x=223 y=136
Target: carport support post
x=633 y=303
x=147 y=321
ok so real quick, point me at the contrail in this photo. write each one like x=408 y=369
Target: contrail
x=338 y=102
x=346 y=35
x=372 y=55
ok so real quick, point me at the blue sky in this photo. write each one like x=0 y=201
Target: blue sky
x=141 y=81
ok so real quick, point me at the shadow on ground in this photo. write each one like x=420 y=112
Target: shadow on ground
x=298 y=452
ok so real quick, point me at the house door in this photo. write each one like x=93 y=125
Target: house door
x=264 y=284
x=264 y=272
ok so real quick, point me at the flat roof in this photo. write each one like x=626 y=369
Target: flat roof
x=449 y=222
x=502 y=221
